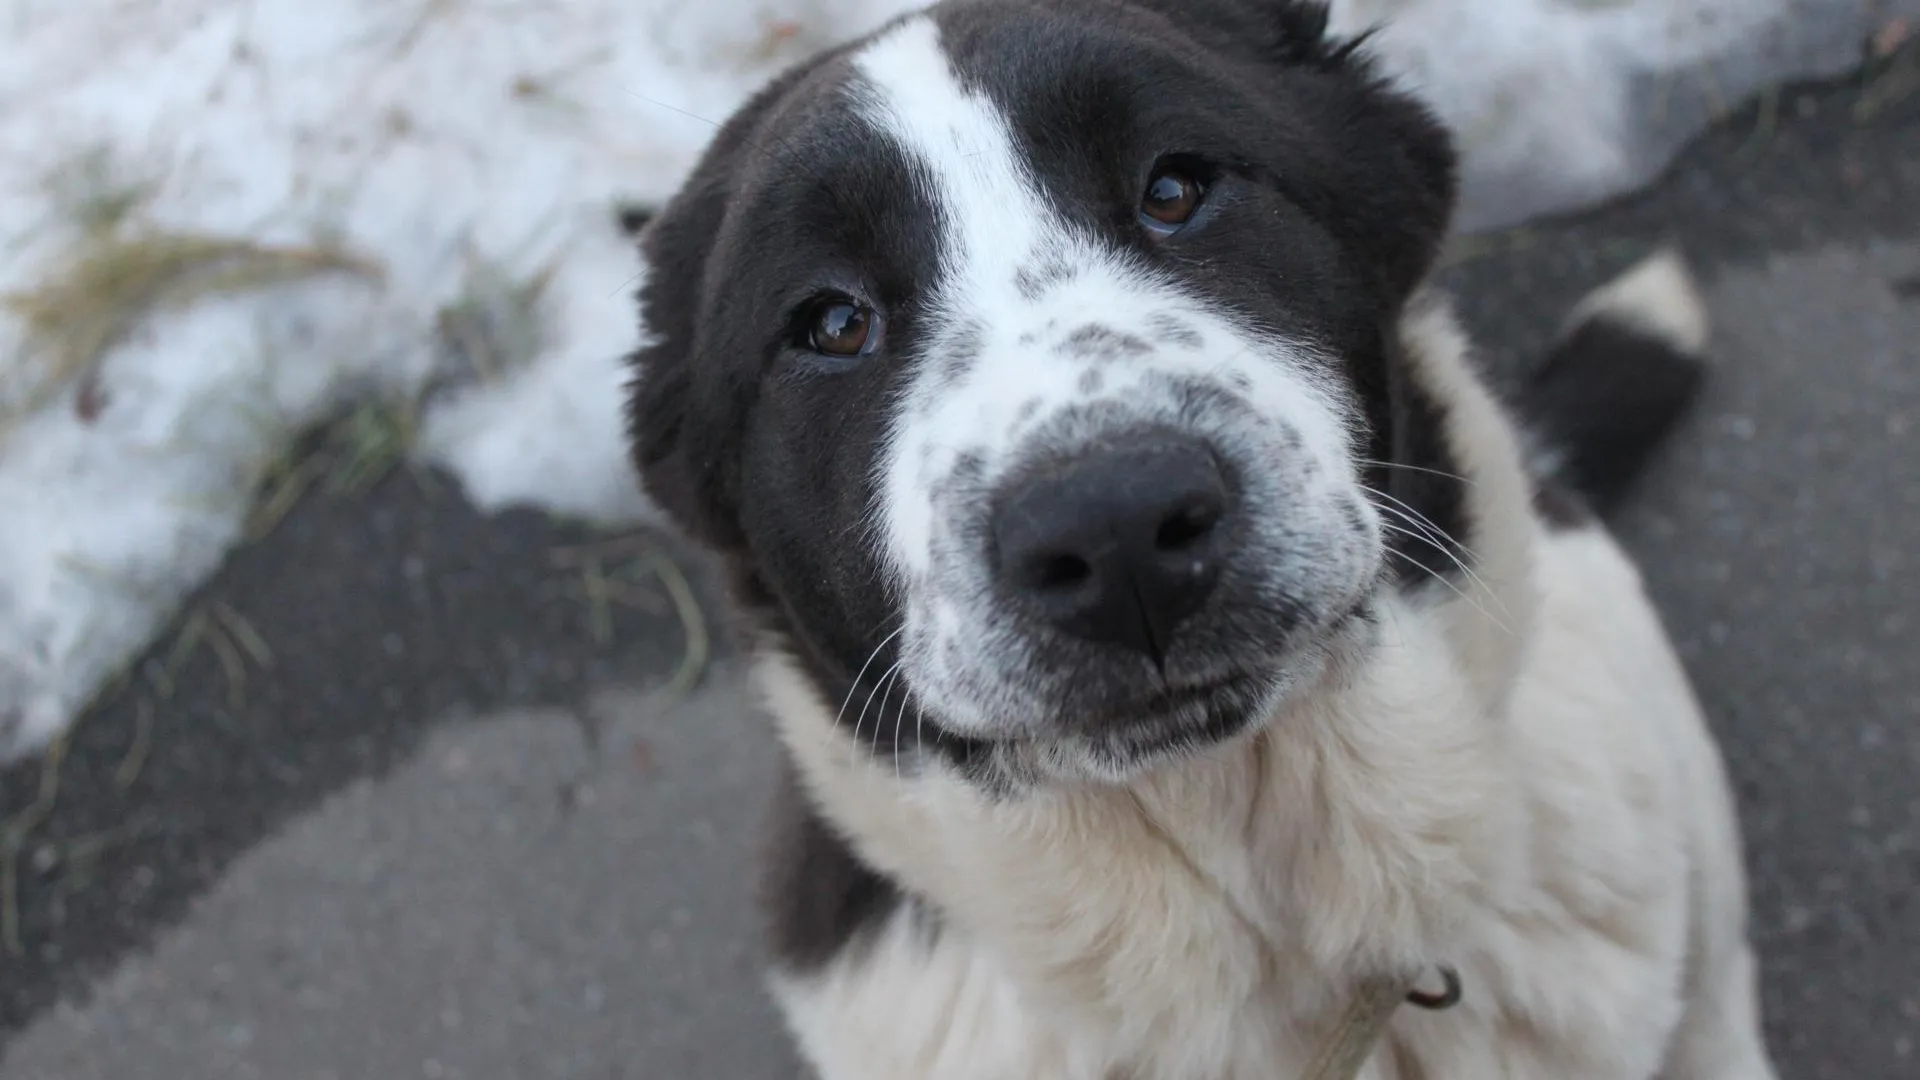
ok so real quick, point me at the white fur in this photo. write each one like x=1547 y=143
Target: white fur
x=1511 y=777
x=1656 y=294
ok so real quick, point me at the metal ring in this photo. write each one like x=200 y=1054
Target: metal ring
x=1445 y=999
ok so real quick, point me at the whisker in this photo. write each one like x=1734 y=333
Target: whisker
x=899 y=718
x=853 y=687
x=1470 y=482
x=1433 y=537
x=880 y=717
x=1439 y=538
x=885 y=681
x=1458 y=591
x=1420 y=520
x=714 y=124
x=1473 y=577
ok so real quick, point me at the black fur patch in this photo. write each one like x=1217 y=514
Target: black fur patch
x=632 y=219
x=816 y=895
x=1418 y=485
x=1100 y=342
x=1175 y=332
x=1034 y=281
x=1605 y=399
x=1560 y=506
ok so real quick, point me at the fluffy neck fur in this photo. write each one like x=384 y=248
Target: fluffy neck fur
x=1349 y=835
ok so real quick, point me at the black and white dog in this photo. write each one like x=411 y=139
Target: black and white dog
x=1168 y=629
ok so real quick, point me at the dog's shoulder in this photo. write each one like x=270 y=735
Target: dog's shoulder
x=818 y=896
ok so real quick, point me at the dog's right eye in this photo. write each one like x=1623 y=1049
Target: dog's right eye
x=842 y=328
x=1173 y=195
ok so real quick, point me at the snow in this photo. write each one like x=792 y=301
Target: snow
x=1560 y=104
x=469 y=148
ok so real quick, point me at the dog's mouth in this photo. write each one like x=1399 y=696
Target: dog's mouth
x=1176 y=719
x=1172 y=720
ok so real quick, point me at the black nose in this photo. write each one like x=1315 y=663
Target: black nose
x=1120 y=544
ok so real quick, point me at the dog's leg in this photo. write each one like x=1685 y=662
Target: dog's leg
x=1623 y=373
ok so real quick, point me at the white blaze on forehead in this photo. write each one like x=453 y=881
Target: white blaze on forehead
x=991 y=362
x=992 y=213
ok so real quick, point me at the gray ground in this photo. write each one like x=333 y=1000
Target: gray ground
x=451 y=832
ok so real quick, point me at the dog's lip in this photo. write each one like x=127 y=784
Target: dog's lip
x=1171 y=698
x=1183 y=710
x=1210 y=711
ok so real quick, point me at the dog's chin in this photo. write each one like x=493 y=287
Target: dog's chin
x=1170 y=726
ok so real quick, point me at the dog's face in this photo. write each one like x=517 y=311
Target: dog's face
x=1031 y=362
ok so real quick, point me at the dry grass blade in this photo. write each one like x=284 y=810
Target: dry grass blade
x=244 y=634
x=95 y=192
x=593 y=579
x=13 y=840
x=1766 y=125
x=497 y=324
x=693 y=623
x=286 y=482
x=368 y=443
x=78 y=315
x=639 y=556
x=194 y=627
x=1896 y=81
x=78 y=857
x=227 y=654
x=135 y=759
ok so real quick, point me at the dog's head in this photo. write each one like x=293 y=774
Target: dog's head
x=1032 y=363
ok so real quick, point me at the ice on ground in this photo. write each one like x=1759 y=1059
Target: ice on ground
x=459 y=162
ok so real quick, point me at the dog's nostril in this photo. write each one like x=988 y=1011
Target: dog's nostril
x=1062 y=572
x=1187 y=526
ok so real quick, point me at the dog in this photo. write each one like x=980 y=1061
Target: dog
x=1168 y=627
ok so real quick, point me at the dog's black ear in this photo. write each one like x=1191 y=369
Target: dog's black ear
x=670 y=402
x=1296 y=33
x=1399 y=159
x=1401 y=171
x=1393 y=179
x=685 y=411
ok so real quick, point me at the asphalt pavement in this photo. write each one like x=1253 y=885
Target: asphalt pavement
x=457 y=820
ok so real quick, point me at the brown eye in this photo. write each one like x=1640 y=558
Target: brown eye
x=843 y=328
x=1171 y=198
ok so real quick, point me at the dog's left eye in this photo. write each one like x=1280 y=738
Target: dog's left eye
x=1174 y=192
x=842 y=328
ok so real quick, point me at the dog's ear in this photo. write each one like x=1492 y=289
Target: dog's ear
x=1393 y=182
x=669 y=402
x=684 y=409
